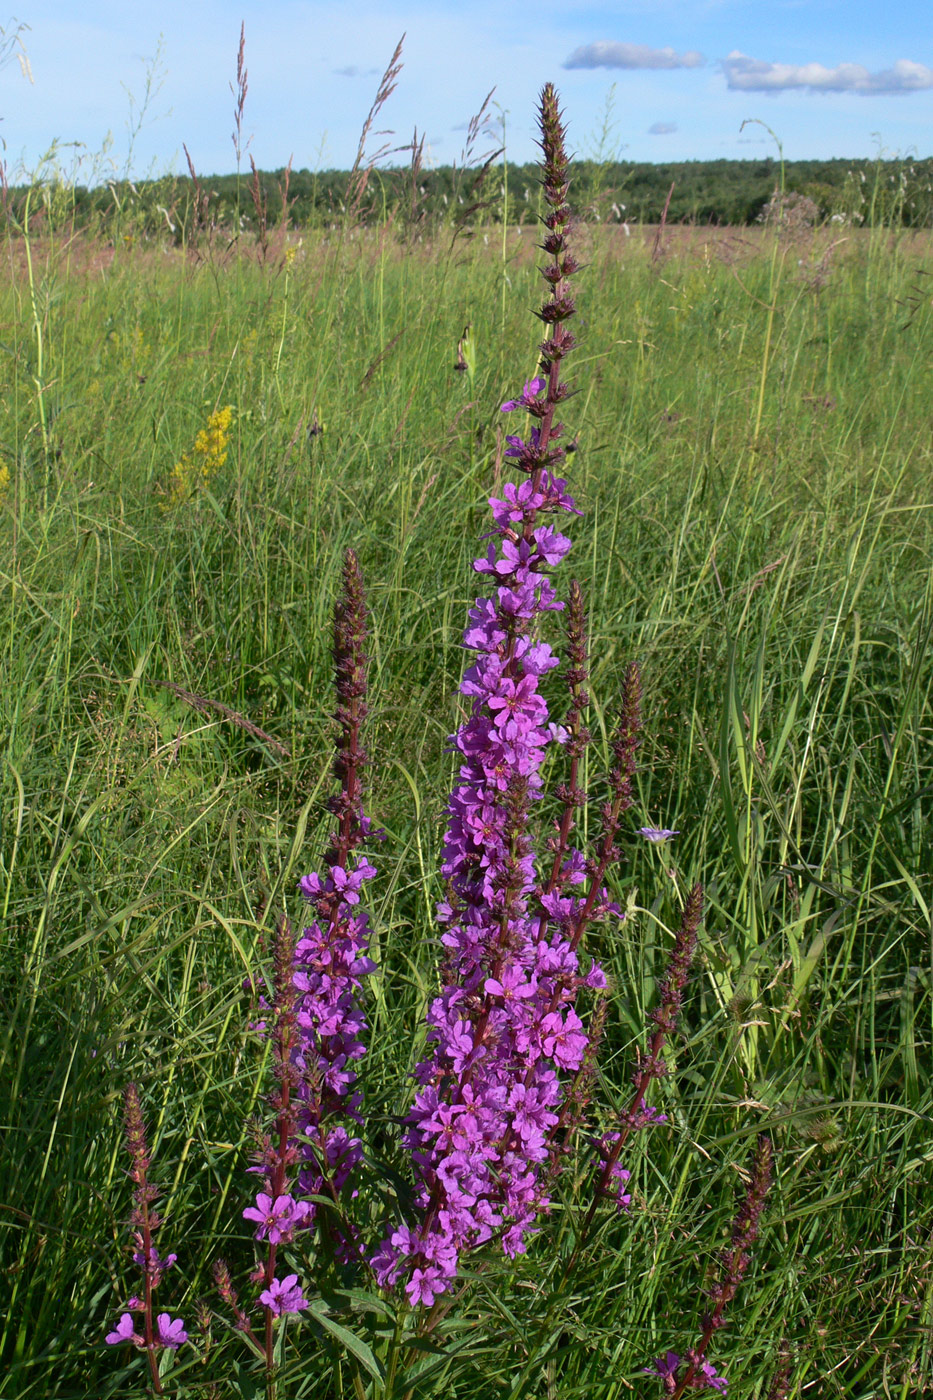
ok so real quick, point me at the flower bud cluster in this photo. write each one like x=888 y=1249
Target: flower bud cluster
x=736 y=1258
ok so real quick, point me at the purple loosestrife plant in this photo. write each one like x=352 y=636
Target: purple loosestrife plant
x=276 y=1213
x=651 y=1065
x=315 y=1023
x=163 y=1331
x=693 y=1371
x=505 y=1028
x=331 y=955
x=780 y=1381
x=612 y=1178
x=503 y=1087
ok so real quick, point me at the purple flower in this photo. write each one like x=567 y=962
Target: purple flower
x=156 y=1266
x=713 y=1381
x=521 y=450
x=657 y=833
x=278 y=1218
x=511 y=984
x=517 y=500
x=564 y=1039
x=556 y=495
x=283 y=1296
x=551 y=546
x=125 y=1331
x=424 y=1285
x=664 y=1365
x=172 y=1332
x=527 y=397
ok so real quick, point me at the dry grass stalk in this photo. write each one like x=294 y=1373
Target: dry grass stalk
x=657 y=252
x=363 y=165
x=260 y=201
x=239 y=92
x=201 y=703
x=471 y=193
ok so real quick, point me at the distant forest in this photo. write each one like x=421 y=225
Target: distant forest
x=726 y=192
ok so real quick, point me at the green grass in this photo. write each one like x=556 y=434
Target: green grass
x=754 y=461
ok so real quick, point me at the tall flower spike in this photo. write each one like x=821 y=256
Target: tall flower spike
x=625 y=743
x=612 y=1178
x=570 y=794
x=503 y=1028
x=316 y=1021
x=164 y=1331
x=780 y=1381
x=276 y=1213
x=694 y=1372
x=331 y=955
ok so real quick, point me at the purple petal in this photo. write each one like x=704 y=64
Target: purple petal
x=657 y=833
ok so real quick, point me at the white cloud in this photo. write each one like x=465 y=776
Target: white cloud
x=608 y=55
x=662 y=129
x=744 y=74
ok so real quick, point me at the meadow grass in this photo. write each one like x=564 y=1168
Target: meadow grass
x=754 y=462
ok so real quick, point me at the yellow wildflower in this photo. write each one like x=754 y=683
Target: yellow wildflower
x=197 y=467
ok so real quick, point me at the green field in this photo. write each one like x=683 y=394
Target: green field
x=755 y=462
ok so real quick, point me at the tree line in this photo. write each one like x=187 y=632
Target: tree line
x=896 y=192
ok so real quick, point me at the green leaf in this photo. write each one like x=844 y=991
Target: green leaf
x=248 y=1387
x=354 y=1344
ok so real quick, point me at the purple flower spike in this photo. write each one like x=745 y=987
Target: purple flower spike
x=699 y=1373
x=284 y=1296
x=503 y=1029
x=144 y=1222
x=331 y=955
x=125 y=1331
x=172 y=1332
x=657 y=833
x=702 y=1375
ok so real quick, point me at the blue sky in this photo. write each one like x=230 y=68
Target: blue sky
x=830 y=77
